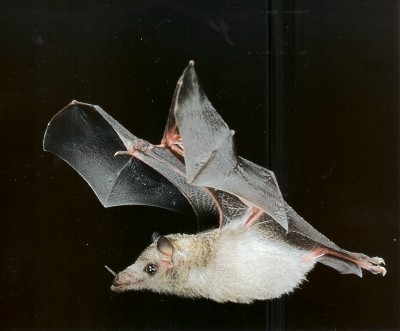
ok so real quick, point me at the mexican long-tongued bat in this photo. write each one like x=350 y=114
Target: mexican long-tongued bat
x=262 y=247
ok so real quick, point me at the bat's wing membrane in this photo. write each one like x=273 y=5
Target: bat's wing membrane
x=231 y=208
x=299 y=225
x=210 y=158
x=170 y=167
x=87 y=138
x=335 y=257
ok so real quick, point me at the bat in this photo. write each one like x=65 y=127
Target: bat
x=261 y=249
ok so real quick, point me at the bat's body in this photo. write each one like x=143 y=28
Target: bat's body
x=228 y=264
x=262 y=248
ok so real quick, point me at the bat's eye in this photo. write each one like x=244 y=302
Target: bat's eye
x=151 y=269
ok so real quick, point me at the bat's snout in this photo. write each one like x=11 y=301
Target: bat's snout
x=124 y=281
x=120 y=283
x=120 y=279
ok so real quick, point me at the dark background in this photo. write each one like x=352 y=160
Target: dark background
x=311 y=89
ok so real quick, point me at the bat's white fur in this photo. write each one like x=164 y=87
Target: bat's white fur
x=234 y=263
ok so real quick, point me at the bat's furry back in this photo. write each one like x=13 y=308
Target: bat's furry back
x=262 y=248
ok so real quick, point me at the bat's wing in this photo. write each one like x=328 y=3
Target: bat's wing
x=87 y=138
x=298 y=224
x=210 y=158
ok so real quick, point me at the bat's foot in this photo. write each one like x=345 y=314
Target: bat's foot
x=374 y=260
x=372 y=264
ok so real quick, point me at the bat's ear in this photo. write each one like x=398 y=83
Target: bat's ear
x=155 y=236
x=165 y=249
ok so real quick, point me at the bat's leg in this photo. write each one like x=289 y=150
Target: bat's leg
x=173 y=140
x=255 y=215
x=177 y=149
x=372 y=264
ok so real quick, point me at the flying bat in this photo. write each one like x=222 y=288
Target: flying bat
x=261 y=249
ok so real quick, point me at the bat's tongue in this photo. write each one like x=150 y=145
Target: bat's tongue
x=111 y=271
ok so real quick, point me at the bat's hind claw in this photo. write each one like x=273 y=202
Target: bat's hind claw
x=373 y=264
x=378 y=270
x=377 y=260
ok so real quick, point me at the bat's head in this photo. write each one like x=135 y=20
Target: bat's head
x=153 y=270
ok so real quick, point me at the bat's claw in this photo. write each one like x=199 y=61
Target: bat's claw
x=377 y=260
x=378 y=270
x=373 y=264
x=123 y=153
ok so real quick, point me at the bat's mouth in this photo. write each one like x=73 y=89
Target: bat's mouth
x=125 y=287
x=119 y=288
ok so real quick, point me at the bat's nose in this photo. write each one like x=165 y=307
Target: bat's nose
x=121 y=279
x=125 y=280
x=117 y=280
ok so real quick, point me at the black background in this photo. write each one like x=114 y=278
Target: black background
x=340 y=155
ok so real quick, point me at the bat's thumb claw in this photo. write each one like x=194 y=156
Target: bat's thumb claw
x=122 y=153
